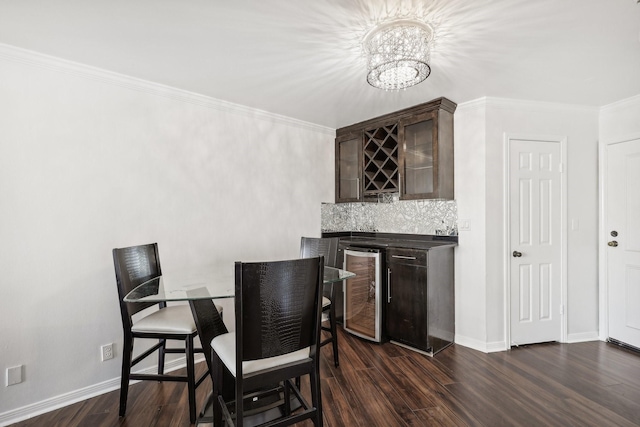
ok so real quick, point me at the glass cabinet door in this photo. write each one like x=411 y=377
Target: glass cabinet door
x=348 y=168
x=419 y=170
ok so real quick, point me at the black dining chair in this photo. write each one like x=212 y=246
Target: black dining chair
x=278 y=310
x=328 y=248
x=133 y=266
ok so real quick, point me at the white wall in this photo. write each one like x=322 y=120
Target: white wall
x=580 y=126
x=90 y=161
x=470 y=191
x=618 y=122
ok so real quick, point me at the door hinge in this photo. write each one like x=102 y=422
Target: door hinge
x=561 y=168
x=561 y=309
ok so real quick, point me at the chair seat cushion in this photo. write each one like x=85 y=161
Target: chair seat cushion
x=176 y=319
x=225 y=346
x=325 y=302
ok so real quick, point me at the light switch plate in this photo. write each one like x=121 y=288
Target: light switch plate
x=14 y=375
x=463 y=225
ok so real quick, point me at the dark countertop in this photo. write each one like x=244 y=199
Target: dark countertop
x=390 y=240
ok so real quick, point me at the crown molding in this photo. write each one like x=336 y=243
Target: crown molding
x=39 y=60
x=620 y=105
x=521 y=104
x=474 y=103
x=508 y=103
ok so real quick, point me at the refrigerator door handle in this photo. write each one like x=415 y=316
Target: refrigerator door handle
x=388 y=285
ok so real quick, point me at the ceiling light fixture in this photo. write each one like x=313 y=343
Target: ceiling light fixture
x=398 y=54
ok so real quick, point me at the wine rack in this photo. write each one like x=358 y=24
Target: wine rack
x=381 y=160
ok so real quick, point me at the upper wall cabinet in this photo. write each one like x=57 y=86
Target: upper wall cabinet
x=409 y=152
x=349 y=167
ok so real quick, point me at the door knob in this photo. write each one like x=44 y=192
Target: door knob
x=613 y=243
x=517 y=254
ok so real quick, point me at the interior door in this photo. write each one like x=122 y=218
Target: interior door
x=535 y=241
x=622 y=225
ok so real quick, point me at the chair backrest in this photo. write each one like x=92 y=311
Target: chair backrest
x=320 y=246
x=134 y=265
x=278 y=307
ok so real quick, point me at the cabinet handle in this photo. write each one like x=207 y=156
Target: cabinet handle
x=388 y=285
x=357 y=188
x=403 y=257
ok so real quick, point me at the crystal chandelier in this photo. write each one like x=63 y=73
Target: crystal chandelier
x=398 y=54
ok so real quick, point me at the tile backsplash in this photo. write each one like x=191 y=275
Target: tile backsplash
x=392 y=216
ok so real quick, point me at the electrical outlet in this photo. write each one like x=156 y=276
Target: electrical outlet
x=14 y=375
x=107 y=351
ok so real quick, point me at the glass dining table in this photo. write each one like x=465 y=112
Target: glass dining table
x=200 y=295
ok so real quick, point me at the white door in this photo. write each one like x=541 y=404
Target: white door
x=622 y=225
x=535 y=241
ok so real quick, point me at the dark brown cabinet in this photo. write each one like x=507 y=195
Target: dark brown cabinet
x=409 y=152
x=349 y=168
x=420 y=298
x=426 y=157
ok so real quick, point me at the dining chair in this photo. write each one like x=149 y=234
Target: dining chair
x=328 y=248
x=133 y=266
x=278 y=310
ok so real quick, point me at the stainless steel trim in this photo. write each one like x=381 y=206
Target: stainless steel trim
x=403 y=257
x=377 y=284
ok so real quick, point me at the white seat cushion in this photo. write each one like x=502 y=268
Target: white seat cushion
x=176 y=319
x=325 y=302
x=225 y=346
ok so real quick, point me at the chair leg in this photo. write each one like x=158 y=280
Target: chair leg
x=126 y=370
x=191 y=378
x=334 y=334
x=316 y=401
x=217 y=387
x=161 y=356
x=239 y=403
x=287 y=397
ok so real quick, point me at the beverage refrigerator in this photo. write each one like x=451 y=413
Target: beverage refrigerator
x=363 y=294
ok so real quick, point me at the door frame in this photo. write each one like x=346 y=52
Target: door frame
x=562 y=140
x=603 y=283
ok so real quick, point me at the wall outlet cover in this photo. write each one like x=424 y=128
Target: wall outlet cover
x=14 y=375
x=106 y=352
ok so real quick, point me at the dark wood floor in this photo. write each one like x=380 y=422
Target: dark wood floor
x=586 y=384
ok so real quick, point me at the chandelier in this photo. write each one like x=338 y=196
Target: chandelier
x=398 y=54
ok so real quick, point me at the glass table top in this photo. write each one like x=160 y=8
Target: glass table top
x=164 y=288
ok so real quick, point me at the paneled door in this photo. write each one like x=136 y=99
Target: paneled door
x=622 y=228
x=535 y=249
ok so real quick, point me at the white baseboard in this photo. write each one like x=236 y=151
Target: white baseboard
x=66 y=399
x=583 y=337
x=482 y=346
x=486 y=347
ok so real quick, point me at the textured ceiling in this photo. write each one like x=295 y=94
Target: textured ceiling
x=303 y=58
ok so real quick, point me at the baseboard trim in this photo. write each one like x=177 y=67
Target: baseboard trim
x=583 y=337
x=485 y=347
x=66 y=399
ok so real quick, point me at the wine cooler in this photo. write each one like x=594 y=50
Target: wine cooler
x=363 y=293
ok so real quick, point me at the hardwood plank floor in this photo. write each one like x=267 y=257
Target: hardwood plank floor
x=584 y=384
